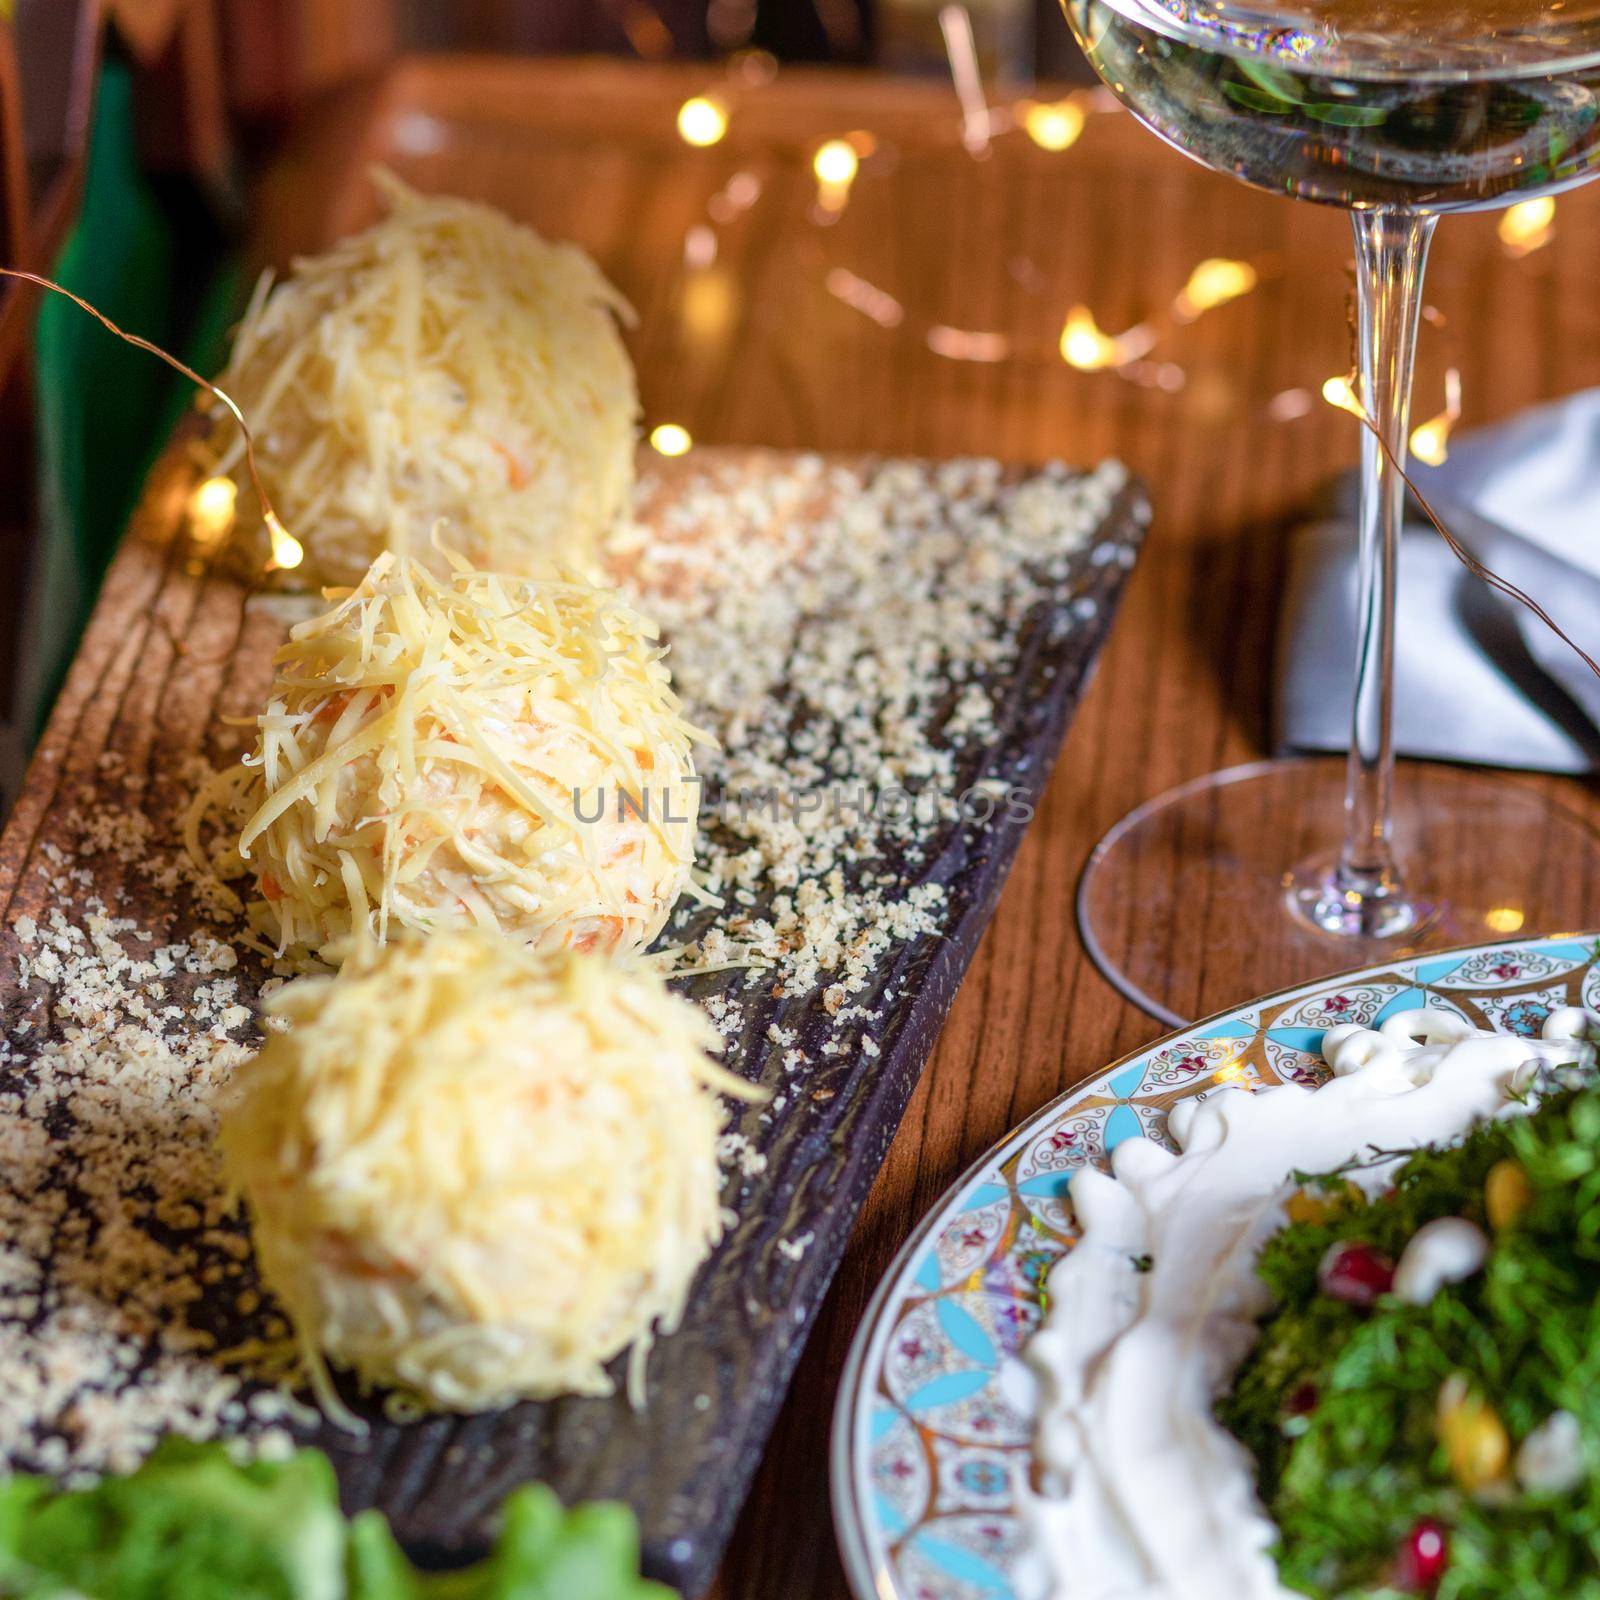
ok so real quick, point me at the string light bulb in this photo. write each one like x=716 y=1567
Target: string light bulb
x=1340 y=391
x=1053 y=125
x=1528 y=225
x=702 y=121
x=287 y=551
x=836 y=162
x=211 y=509
x=1085 y=346
x=1214 y=282
x=1430 y=440
x=670 y=439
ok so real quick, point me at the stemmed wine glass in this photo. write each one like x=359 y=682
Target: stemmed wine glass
x=1397 y=110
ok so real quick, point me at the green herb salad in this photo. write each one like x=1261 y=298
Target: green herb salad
x=1424 y=1399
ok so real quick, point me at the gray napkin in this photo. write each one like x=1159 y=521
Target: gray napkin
x=1478 y=677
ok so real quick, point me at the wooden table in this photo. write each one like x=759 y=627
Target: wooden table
x=756 y=346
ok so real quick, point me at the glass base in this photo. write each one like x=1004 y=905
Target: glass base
x=1225 y=888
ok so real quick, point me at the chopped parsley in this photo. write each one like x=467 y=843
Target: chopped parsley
x=1344 y=1408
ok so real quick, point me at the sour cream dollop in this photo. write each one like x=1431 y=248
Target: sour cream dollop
x=1144 y=1495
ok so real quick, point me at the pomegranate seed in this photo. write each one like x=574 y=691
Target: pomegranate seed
x=1355 y=1273
x=1423 y=1557
x=1302 y=1399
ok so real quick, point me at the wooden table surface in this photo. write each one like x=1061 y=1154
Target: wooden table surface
x=756 y=345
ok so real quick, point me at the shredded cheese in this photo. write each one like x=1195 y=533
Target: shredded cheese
x=481 y=751
x=478 y=1171
x=445 y=363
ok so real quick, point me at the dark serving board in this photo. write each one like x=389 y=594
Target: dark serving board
x=172 y=645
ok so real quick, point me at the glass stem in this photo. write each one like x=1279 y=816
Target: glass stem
x=1391 y=254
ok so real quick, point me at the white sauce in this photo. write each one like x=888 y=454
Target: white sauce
x=1146 y=1497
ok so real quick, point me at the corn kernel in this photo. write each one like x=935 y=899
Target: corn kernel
x=1507 y=1193
x=1317 y=1206
x=1474 y=1438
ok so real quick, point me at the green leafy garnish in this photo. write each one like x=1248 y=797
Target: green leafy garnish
x=194 y=1524
x=1341 y=1406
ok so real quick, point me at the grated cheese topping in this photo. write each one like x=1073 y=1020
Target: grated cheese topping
x=444 y=363
x=479 y=1171
x=481 y=751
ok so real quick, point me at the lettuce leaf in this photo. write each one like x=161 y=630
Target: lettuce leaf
x=195 y=1524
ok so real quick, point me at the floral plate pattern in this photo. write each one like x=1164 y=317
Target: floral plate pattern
x=932 y=1438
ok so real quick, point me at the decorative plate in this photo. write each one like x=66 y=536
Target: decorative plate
x=932 y=1438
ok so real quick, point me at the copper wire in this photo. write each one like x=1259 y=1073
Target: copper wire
x=171 y=360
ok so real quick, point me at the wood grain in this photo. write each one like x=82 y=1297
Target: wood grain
x=755 y=349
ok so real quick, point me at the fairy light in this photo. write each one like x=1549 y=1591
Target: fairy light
x=961 y=50
x=1083 y=345
x=835 y=165
x=280 y=535
x=960 y=344
x=1289 y=405
x=1340 y=391
x=1504 y=919
x=287 y=551
x=1052 y=125
x=836 y=162
x=702 y=121
x=699 y=247
x=1088 y=348
x=1214 y=282
x=738 y=194
x=211 y=509
x=867 y=298
x=1527 y=226
x=670 y=439
x=1430 y=440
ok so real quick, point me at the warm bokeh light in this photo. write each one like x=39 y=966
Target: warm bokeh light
x=1054 y=124
x=709 y=300
x=1086 y=346
x=867 y=298
x=1289 y=405
x=702 y=121
x=1232 y=1073
x=670 y=439
x=835 y=162
x=1213 y=283
x=1430 y=440
x=211 y=508
x=1528 y=225
x=962 y=344
x=287 y=550
x=699 y=247
x=1504 y=919
x=1341 y=392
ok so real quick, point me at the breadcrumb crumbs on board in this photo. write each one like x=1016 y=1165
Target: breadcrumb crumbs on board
x=841 y=652
x=112 y=1215
x=830 y=625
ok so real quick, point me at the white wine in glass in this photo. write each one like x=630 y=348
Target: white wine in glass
x=1398 y=111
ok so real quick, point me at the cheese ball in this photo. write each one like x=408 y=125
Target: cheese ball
x=477 y=1172
x=445 y=363
x=473 y=752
